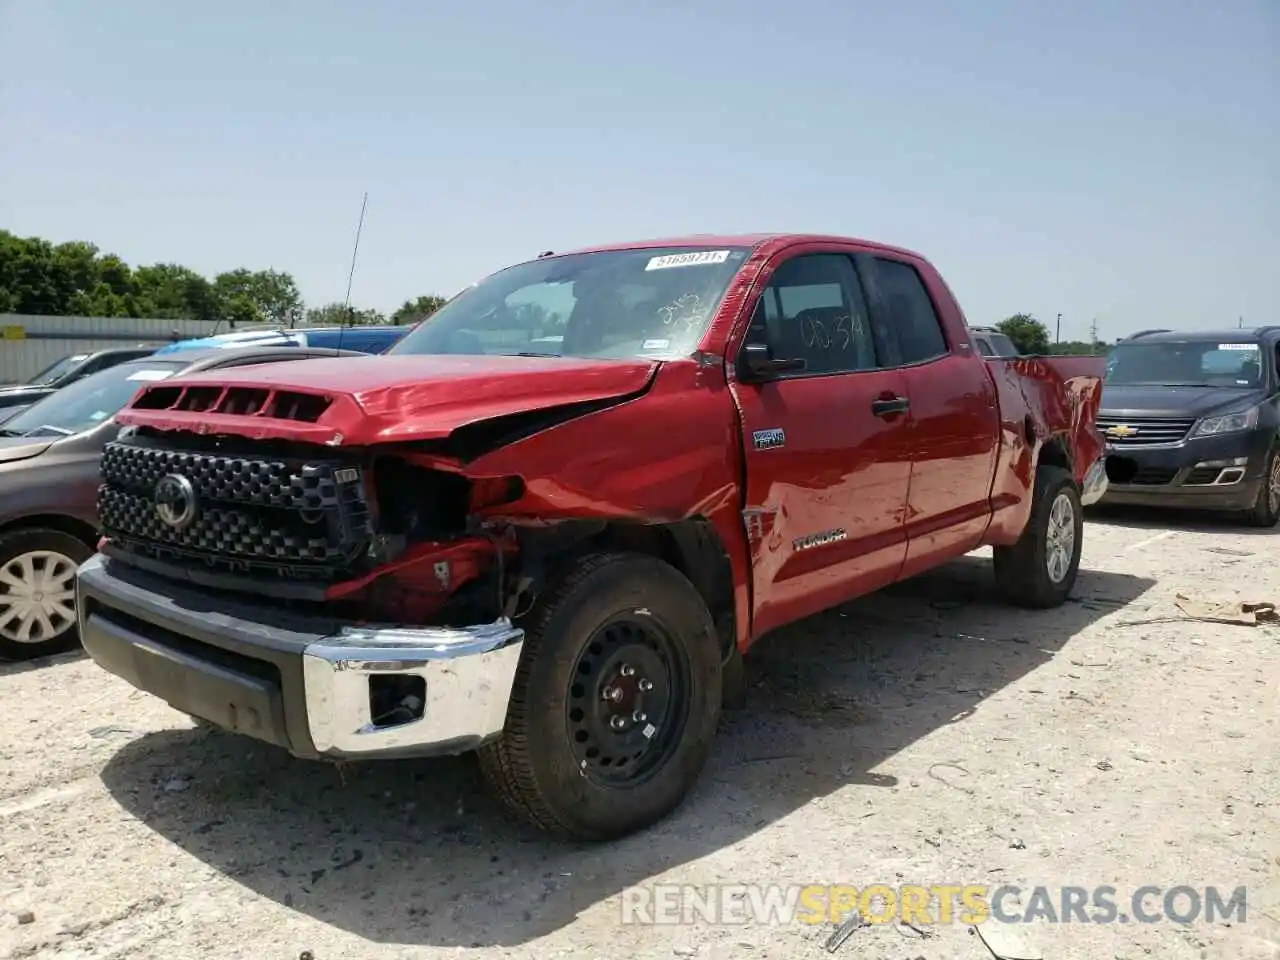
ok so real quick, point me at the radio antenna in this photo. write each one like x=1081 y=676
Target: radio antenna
x=346 y=303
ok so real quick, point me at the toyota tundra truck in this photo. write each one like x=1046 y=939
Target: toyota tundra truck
x=547 y=524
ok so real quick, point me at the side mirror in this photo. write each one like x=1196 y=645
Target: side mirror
x=758 y=363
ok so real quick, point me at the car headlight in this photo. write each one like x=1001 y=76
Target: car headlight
x=1231 y=423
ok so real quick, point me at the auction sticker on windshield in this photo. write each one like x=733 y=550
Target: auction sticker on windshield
x=698 y=259
x=1249 y=347
x=150 y=375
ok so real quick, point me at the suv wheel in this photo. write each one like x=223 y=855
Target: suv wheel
x=1266 y=509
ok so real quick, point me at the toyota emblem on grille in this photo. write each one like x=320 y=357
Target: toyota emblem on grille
x=176 y=501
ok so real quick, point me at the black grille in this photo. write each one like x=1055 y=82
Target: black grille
x=296 y=518
x=235 y=479
x=1154 y=476
x=1144 y=430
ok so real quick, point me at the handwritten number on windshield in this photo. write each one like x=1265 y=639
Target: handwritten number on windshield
x=686 y=311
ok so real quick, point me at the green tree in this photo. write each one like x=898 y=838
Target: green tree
x=338 y=315
x=240 y=309
x=101 y=301
x=75 y=278
x=26 y=274
x=74 y=267
x=1079 y=348
x=411 y=311
x=274 y=295
x=172 y=290
x=1028 y=334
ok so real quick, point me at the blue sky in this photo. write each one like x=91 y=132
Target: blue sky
x=1117 y=160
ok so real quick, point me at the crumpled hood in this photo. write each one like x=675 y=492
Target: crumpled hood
x=13 y=449
x=381 y=399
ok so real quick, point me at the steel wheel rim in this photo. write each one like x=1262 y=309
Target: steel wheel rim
x=1273 y=485
x=1060 y=542
x=37 y=596
x=628 y=702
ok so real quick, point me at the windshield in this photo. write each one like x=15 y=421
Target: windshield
x=88 y=402
x=56 y=370
x=653 y=303
x=1186 y=364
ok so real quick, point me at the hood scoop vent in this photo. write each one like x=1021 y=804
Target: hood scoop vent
x=235 y=402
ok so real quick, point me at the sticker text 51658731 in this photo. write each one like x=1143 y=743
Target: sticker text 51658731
x=697 y=258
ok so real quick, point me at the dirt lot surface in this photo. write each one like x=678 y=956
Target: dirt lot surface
x=926 y=735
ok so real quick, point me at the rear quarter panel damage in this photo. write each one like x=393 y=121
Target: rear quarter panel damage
x=1043 y=401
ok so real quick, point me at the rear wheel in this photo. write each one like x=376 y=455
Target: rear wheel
x=1266 y=509
x=38 y=592
x=1040 y=569
x=616 y=700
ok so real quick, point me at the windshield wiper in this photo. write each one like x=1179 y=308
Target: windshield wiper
x=48 y=426
x=1153 y=383
x=530 y=354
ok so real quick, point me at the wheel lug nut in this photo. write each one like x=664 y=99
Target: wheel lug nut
x=617 y=723
x=627 y=670
x=613 y=693
x=646 y=685
x=639 y=717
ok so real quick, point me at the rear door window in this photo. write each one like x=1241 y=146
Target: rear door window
x=910 y=311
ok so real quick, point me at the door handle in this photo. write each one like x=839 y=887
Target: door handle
x=887 y=408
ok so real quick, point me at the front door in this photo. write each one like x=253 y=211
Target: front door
x=827 y=457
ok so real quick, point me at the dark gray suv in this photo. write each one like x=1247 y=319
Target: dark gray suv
x=1192 y=419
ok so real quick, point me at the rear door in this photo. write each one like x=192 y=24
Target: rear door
x=827 y=462
x=955 y=425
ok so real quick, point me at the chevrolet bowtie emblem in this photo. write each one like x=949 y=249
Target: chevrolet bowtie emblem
x=1122 y=430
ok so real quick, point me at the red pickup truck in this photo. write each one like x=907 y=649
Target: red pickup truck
x=550 y=521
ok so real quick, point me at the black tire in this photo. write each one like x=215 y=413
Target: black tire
x=1265 y=510
x=37 y=540
x=1022 y=570
x=572 y=654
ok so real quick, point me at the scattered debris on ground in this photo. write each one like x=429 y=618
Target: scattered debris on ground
x=928 y=735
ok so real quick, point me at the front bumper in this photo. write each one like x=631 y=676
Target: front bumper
x=308 y=684
x=1095 y=483
x=1211 y=473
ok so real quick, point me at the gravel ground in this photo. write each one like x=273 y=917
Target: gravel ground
x=924 y=735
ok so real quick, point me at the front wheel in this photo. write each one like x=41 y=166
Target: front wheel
x=1040 y=570
x=1266 y=509
x=38 y=592
x=616 y=700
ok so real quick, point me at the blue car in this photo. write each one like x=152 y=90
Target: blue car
x=361 y=339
